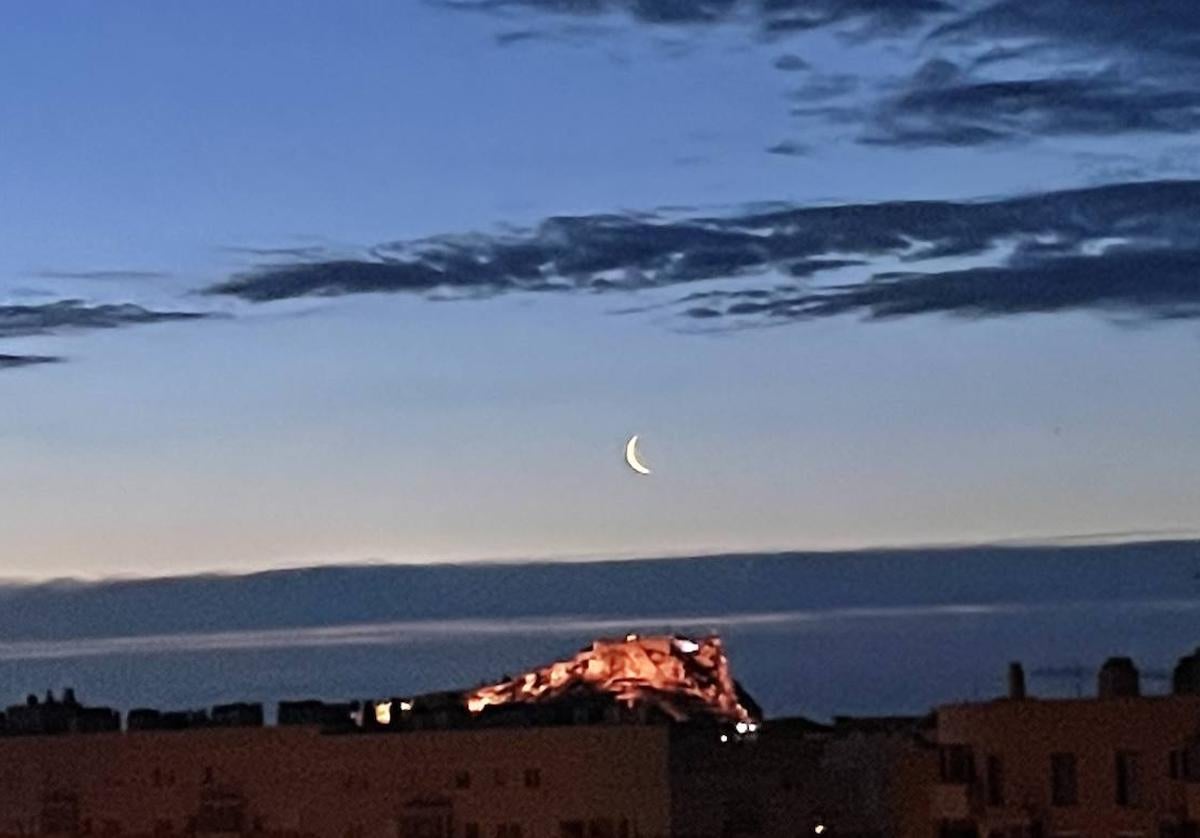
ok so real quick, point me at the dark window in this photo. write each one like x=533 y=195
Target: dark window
x=533 y=778
x=957 y=764
x=957 y=830
x=1174 y=829
x=571 y=829
x=1129 y=786
x=462 y=780
x=500 y=777
x=1064 y=784
x=1189 y=762
x=743 y=817
x=421 y=826
x=995 y=781
x=1173 y=765
x=471 y=830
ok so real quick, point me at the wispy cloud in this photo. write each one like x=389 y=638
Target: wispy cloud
x=943 y=105
x=103 y=274
x=1023 y=69
x=13 y=361
x=64 y=316
x=415 y=632
x=1038 y=68
x=772 y=17
x=1131 y=249
x=67 y=315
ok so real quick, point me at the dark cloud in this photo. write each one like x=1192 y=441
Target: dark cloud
x=876 y=16
x=648 y=11
x=1153 y=29
x=1129 y=248
x=822 y=86
x=790 y=148
x=294 y=252
x=8 y=362
x=68 y=315
x=1150 y=53
x=942 y=106
x=72 y=315
x=505 y=39
x=791 y=63
x=598 y=253
x=1145 y=283
x=1021 y=59
x=772 y=16
x=102 y=274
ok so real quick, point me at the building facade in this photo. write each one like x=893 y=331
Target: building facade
x=1118 y=764
x=585 y=763
x=595 y=781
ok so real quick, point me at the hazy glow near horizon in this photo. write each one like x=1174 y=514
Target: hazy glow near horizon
x=155 y=151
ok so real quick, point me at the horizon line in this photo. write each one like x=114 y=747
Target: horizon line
x=1068 y=540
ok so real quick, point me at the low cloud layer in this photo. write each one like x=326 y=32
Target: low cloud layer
x=1128 y=249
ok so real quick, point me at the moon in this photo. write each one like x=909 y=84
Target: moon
x=631 y=456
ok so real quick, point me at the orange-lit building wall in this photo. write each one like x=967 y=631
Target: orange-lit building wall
x=1128 y=757
x=580 y=782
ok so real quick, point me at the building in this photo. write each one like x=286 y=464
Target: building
x=1118 y=764
x=57 y=716
x=632 y=738
x=594 y=781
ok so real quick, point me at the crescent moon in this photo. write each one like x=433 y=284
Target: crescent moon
x=631 y=456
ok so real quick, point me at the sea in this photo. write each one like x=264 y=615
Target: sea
x=873 y=632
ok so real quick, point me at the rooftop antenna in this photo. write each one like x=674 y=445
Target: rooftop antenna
x=1078 y=674
x=1074 y=674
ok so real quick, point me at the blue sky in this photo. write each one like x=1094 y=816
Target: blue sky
x=402 y=356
